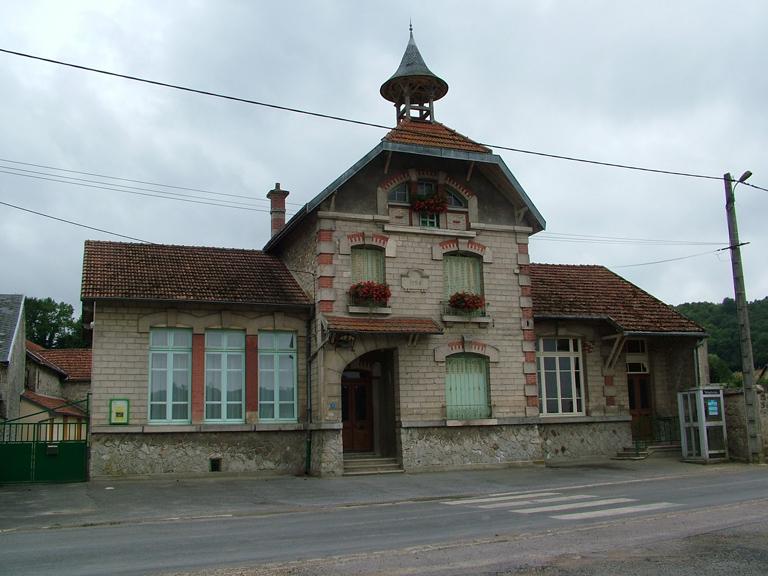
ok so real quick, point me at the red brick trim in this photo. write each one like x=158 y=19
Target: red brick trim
x=324 y=259
x=526 y=290
x=529 y=336
x=325 y=282
x=530 y=356
x=530 y=378
x=198 y=378
x=610 y=400
x=325 y=306
x=251 y=373
x=527 y=313
x=532 y=401
x=522 y=248
x=325 y=235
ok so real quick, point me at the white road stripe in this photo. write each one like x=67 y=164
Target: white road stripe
x=514 y=503
x=615 y=511
x=590 y=504
x=499 y=498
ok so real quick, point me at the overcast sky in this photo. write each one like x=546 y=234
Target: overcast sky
x=670 y=85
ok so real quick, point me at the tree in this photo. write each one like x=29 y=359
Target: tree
x=719 y=373
x=52 y=324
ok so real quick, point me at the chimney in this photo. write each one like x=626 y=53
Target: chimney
x=277 y=207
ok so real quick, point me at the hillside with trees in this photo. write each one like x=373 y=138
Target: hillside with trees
x=721 y=322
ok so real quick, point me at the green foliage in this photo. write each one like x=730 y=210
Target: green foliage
x=52 y=324
x=722 y=324
x=719 y=373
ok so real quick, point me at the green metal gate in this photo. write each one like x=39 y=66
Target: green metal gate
x=46 y=451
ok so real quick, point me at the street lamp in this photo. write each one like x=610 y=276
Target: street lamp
x=752 y=420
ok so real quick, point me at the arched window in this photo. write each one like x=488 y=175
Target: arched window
x=454 y=198
x=466 y=387
x=399 y=194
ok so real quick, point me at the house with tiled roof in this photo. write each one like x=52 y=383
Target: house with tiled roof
x=395 y=323
x=63 y=374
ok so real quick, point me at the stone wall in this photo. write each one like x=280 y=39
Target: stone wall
x=562 y=441
x=190 y=453
x=12 y=376
x=451 y=448
x=327 y=453
x=735 y=422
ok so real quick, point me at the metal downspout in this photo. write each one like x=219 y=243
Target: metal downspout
x=310 y=357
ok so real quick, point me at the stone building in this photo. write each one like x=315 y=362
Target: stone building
x=395 y=322
x=12 y=338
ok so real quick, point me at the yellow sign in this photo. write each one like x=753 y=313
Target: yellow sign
x=118 y=411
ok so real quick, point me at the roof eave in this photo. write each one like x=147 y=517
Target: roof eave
x=86 y=299
x=469 y=156
x=618 y=326
x=320 y=198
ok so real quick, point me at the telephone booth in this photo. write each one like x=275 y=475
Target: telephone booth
x=702 y=425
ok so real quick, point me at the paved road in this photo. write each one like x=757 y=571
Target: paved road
x=487 y=523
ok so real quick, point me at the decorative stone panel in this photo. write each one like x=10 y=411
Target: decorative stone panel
x=467 y=345
x=581 y=440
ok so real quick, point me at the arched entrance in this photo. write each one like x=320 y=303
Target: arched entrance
x=368 y=404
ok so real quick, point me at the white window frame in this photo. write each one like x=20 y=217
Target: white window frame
x=277 y=353
x=225 y=352
x=574 y=369
x=636 y=362
x=170 y=351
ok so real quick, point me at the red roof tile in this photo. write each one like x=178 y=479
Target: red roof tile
x=125 y=271
x=571 y=291
x=53 y=404
x=33 y=347
x=383 y=325
x=432 y=134
x=76 y=362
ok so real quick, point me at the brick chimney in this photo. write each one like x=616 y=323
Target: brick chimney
x=277 y=207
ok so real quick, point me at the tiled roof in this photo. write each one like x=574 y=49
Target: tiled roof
x=53 y=404
x=32 y=346
x=383 y=325
x=10 y=315
x=125 y=271
x=76 y=362
x=574 y=291
x=35 y=356
x=432 y=134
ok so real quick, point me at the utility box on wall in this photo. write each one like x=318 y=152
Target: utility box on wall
x=702 y=425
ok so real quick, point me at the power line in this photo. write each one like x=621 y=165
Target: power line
x=74 y=223
x=594 y=239
x=669 y=259
x=139 y=181
x=359 y=122
x=137 y=193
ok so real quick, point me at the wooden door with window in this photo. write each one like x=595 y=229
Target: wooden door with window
x=357 y=411
x=640 y=406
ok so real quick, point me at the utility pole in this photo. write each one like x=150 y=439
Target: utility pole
x=752 y=430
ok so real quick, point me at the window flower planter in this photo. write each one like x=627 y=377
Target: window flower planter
x=466 y=301
x=369 y=293
x=435 y=204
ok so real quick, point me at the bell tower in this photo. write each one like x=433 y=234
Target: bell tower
x=413 y=88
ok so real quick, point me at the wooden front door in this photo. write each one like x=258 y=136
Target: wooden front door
x=640 y=406
x=357 y=411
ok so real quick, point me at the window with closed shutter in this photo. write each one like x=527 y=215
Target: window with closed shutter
x=367 y=264
x=466 y=387
x=463 y=273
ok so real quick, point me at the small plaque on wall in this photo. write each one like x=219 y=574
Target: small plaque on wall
x=119 y=411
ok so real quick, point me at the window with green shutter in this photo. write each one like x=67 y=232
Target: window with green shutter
x=462 y=273
x=466 y=387
x=368 y=264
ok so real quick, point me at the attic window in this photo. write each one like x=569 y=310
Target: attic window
x=455 y=200
x=399 y=193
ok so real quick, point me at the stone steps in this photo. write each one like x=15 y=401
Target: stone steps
x=644 y=451
x=369 y=464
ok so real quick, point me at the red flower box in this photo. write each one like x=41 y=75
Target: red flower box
x=435 y=204
x=370 y=293
x=466 y=301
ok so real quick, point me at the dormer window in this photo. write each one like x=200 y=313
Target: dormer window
x=455 y=200
x=425 y=189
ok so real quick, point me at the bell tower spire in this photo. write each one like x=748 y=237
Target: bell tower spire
x=413 y=88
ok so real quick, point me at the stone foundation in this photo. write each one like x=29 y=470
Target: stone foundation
x=327 y=453
x=450 y=448
x=584 y=439
x=191 y=453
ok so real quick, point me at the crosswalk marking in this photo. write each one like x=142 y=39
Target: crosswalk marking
x=513 y=503
x=499 y=498
x=573 y=505
x=615 y=511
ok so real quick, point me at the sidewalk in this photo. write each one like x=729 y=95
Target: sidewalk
x=35 y=506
